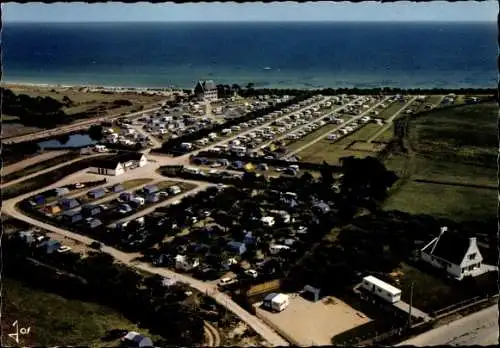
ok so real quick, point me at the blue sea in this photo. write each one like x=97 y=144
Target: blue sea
x=275 y=55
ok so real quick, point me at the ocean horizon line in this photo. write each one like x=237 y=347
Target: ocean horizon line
x=440 y=21
x=173 y=88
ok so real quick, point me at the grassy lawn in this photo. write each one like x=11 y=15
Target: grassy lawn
x=453 y=146
x=127 y=185
x=430 y=292
x=40 y=166
x=454 y=202
x=55 y=320
x=454 y=172
x=390 y=110
x=361 y=134
x=325 y=150
x=432 y=99
x=293 y=145
x=166 y=184
x=386 y=135
x=467 y=132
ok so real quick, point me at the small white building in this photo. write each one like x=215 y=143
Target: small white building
x=185 y=264
x=118 y=164
x=458 y=255
x=276 y=302
x=267 y=221
x=100 y=148
x=382 y=289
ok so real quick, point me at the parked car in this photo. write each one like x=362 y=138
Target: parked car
x=252 y=273
x=64 y=249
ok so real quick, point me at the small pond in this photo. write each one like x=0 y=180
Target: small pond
x=73 y=140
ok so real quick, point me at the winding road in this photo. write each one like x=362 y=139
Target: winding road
x=9 y=208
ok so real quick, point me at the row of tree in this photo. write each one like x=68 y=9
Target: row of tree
x=226 y=91
x=37 y=111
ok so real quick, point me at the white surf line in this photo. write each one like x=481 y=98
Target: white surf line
x=353 y=119
x=308 y=123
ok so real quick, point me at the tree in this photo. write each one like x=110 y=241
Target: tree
x=95 y=132
x=63 y=139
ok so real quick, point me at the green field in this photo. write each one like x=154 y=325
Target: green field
x=325 y=150
x=293 y=145
x=57 y=321
x=390 y=110
x=455 y=149
x=440 y=200
x=467 y=133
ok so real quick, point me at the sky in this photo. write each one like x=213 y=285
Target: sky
x=485 y=11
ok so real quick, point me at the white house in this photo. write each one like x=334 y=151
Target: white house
x=458 y=255
x=118 y=164
x=380 y=288
x=206 y=91
x=185 y=264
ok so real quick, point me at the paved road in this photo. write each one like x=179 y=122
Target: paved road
x=355 y=118
x=9 y=208
x=479 y=328
x=138 y=129
x=31 y=161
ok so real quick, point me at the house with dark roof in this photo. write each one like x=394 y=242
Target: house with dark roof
x=68 y=203
x=91 y=210
x=117 y=188
x=119 y=163
x=459 y=256
x=96 y=193
x=206 y=90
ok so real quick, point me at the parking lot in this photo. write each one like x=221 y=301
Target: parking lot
x=186 y=118
x=309 y=323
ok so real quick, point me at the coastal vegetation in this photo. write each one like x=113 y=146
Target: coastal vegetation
x=98 y=279
x=33 y=111
x=56 y=320
x=48 y=107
